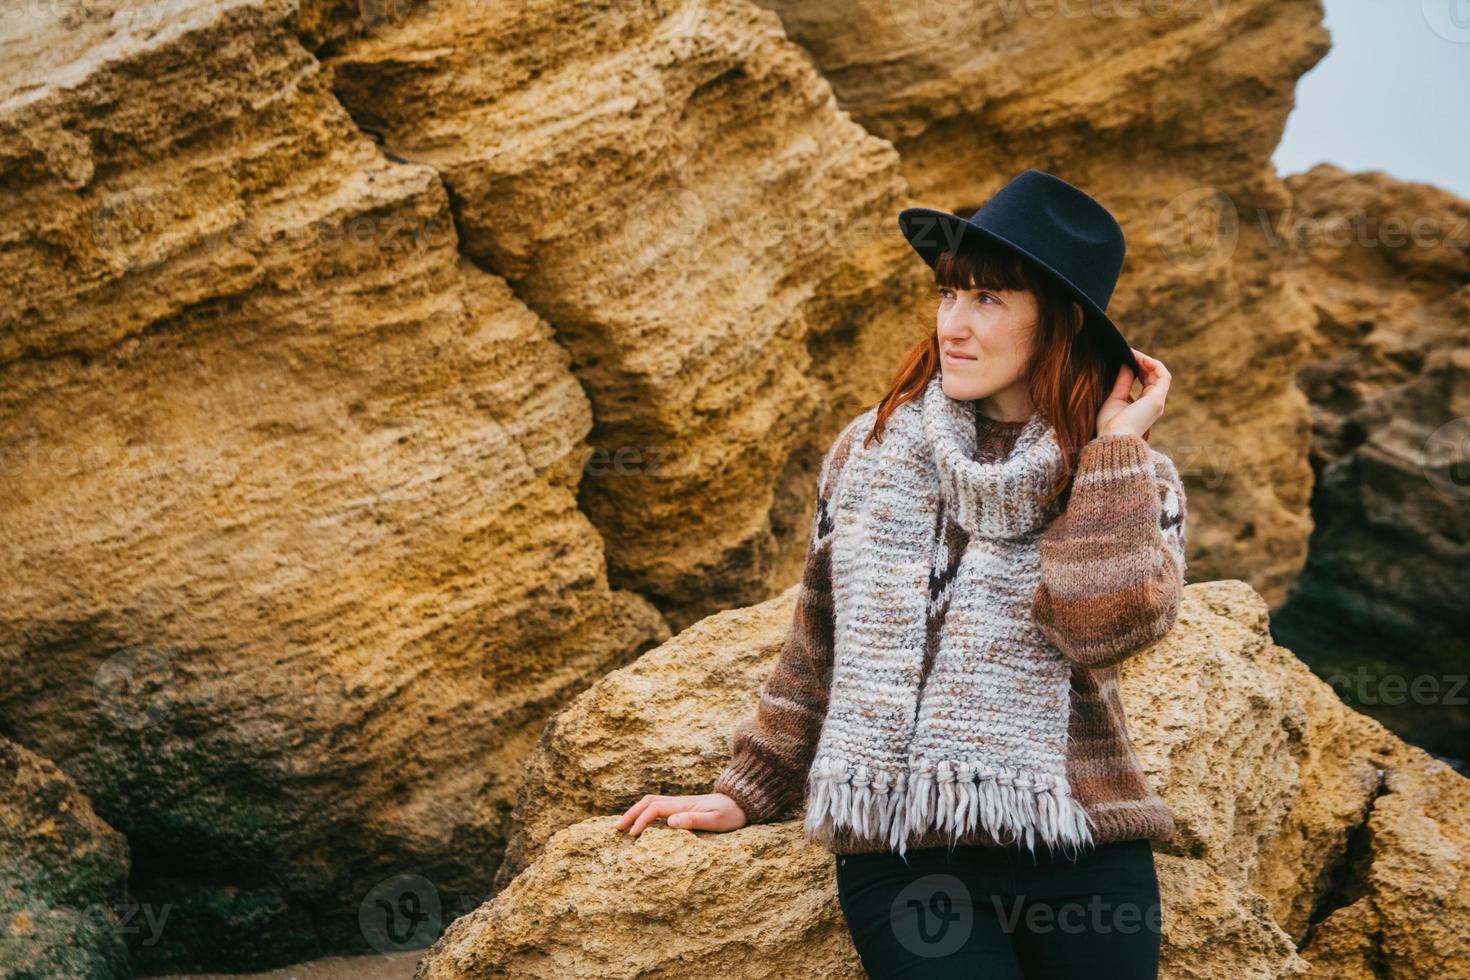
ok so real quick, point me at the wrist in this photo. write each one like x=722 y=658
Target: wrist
x=1115 y=456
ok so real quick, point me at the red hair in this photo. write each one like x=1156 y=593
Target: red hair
x=1068 y=376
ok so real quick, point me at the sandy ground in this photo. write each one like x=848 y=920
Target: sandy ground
x=391 y=966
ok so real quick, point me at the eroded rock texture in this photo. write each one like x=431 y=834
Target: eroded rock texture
x=1297 y=819
x=294 y=563
x=323 y=383
x=1387 y=270
x=1168 y=114
x=671 y=184
x=62 y=876
x=652 y=727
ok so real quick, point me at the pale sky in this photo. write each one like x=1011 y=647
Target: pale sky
x=1393 y=94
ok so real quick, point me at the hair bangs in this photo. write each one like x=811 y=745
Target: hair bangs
x=981 y=264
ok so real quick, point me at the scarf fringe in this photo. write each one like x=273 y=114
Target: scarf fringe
x=956 y=798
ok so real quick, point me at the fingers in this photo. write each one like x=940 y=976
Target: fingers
x=1156 y=375
x=680 y=812
x=696 y=820
x=634 y=811
x=652 y=808
x=658 y=808
x=1155 y=388
x=1150 y=365
x=1123 y=385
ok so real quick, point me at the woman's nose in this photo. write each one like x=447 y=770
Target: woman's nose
x=953 y=324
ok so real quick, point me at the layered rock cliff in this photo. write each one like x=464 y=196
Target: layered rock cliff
x=375 y=377
x=671 y=184
x=1380 y=606
x=295 y=566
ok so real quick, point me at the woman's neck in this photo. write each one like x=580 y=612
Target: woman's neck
x=1012 y=404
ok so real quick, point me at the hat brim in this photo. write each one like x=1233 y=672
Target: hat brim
x=954 y=231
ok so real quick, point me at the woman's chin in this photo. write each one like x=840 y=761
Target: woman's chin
x=961 y=388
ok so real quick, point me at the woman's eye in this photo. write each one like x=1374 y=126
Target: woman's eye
x=946 y=293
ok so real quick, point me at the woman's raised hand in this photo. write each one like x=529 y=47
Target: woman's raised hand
x=711 y=811
x=1120 y=416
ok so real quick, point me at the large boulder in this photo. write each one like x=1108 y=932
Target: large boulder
x=295 y=568
x=63 y=875
x=1298 y=819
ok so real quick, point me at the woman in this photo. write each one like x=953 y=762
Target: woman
x=992 y=540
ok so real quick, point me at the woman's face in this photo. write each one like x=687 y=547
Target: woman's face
x=985 y=339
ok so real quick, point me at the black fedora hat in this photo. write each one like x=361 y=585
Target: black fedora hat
x=1054 y=224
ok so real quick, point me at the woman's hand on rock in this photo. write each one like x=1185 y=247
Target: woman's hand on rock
x=711 y=811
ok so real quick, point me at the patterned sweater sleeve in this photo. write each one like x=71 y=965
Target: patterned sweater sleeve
x=773 y=749
x=1112 y=565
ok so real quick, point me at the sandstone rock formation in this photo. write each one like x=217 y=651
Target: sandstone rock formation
x=1169 y=115
x=1300 y=821
x=654 y=726
x=62 y=876
x=1387 y=271
x=295 y=568
x=374 y=376
x=671 y=185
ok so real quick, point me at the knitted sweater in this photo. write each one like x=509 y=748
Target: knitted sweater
x=1111 y=580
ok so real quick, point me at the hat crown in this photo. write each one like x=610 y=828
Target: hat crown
x=1063 y=226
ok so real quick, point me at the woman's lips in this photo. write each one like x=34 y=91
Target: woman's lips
x=958 y=358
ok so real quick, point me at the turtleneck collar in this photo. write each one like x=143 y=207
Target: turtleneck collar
x=1003 y=498
x=994 y=438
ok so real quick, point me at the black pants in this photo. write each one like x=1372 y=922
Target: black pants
x=1005 y=913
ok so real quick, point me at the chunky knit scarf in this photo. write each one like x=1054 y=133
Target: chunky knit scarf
x=977 y=737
